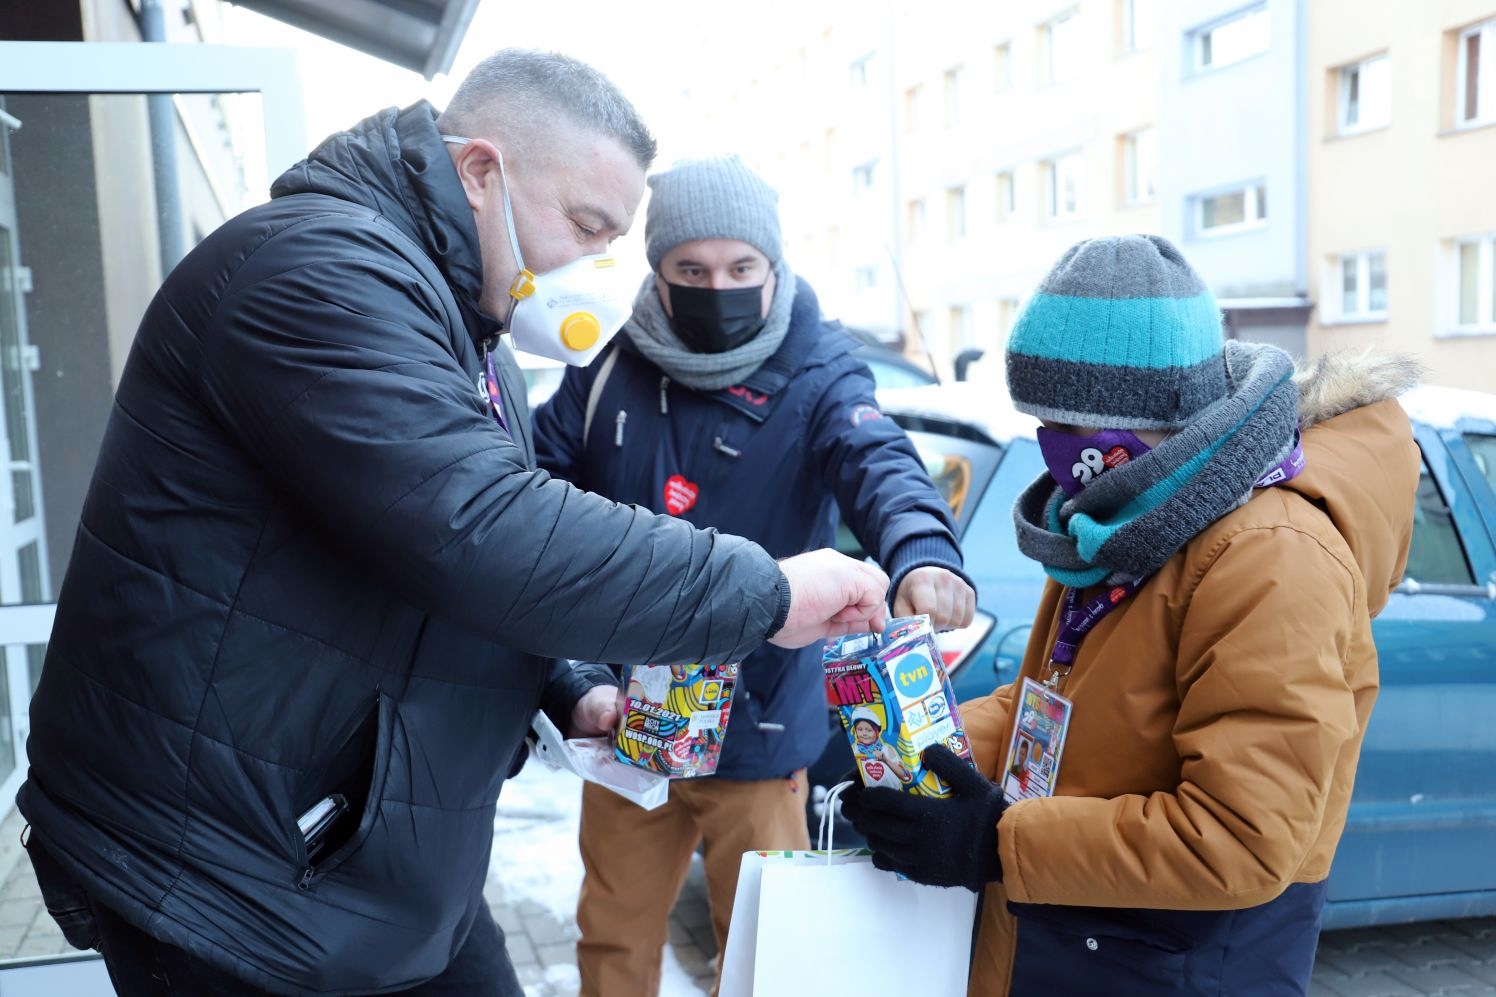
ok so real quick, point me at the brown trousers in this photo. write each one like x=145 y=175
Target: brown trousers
x=635 y=861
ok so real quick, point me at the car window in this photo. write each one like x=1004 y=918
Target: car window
x=959 y=468
x=892 y=375
x=1436 y=555
x=989 y=543
x=1483 y=449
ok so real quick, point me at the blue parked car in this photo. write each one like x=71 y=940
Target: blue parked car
x=1420 y=840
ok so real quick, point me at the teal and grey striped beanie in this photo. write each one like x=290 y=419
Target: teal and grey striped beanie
x=1122 y=334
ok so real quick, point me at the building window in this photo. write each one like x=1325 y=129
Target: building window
x=1002 y=67
x=862 y=177
x=912 y=100
x=1477 y=283
x=1366 y=95
x=960 y=321
x=1066 y=182
x=1140 y=166
x=1239 y=37
x=1231 y=210
x=952 y=96
x=1358 y=287
x=1475 y=75
x=1007 y=315
x=865 y=278
x=1058 y=40
x=1139 y=24
x=955 y=213
x=857 y=72
x=915 y=220
x=1007 y=199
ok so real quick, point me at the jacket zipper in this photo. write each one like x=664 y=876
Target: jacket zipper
x=721 y=447
x=618 y=422
x=664 y=402
x=306 y=878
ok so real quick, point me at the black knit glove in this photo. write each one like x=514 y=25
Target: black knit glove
x=947 y=841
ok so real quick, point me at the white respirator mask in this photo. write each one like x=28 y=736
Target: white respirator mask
x=569 y=313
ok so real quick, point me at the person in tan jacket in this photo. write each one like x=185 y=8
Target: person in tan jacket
x=1219 y=534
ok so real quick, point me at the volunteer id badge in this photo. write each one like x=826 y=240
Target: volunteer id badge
x=1033 y=763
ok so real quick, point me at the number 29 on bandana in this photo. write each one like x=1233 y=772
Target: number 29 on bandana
x=1038 y=742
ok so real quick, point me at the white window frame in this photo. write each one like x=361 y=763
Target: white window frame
x=1485 y=286
x=1136 y=167
x=1344 y=126
x=1006 y=195
x=1333 y=294
x=916 y=221
x=914 y=98
x=1055 y=170
x=962 y=327
x=1485 y=93
x=1199 y=35
x=1132 y=41
x=951 y=87
x=1047 y=64
x=1002 y=67
x=857 y=75
x=955 y=213
x=1254 y=193
x=864 y=176
x=137 y=68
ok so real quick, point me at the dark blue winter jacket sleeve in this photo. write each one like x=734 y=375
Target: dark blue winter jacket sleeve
x=881 y=486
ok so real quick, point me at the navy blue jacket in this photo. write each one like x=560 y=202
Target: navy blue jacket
x=310 y=561
x=773 y=459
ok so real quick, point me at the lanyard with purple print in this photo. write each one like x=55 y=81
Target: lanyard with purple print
x=491 y=382
x=1075 y=622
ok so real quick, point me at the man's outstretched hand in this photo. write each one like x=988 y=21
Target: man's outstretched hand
x=831 y=594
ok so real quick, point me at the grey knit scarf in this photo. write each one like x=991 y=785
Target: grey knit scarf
x=649 y=328
x=1130 y=520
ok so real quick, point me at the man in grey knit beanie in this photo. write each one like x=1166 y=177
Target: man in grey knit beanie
x=730 y=402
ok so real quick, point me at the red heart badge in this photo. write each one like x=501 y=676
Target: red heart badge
x=1116 y=457
x=874 y=770
x=680 y=494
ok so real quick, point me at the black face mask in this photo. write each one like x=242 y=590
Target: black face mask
x=712 y=321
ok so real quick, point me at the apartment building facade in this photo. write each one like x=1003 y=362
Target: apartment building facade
x=1232 y=158
x=1402 y=154
x=947 y=157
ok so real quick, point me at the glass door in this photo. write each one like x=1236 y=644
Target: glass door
x=115 y=158
x=23 y=552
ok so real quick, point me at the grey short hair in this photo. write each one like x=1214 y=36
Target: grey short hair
x=516 y=91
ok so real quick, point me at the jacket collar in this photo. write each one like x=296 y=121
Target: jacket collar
x=395 y=163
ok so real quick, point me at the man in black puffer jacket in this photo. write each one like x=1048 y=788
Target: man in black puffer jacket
x=316 y=561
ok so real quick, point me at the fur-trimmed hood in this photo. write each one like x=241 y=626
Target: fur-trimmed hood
x=1358 y=447
x=1338 y=382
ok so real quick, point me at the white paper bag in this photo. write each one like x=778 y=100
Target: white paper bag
x=803 y=925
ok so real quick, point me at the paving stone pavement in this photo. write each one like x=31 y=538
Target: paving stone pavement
x=533 y=887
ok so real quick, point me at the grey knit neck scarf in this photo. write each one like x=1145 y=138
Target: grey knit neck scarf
x=1133 y=518
x=649 y=328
